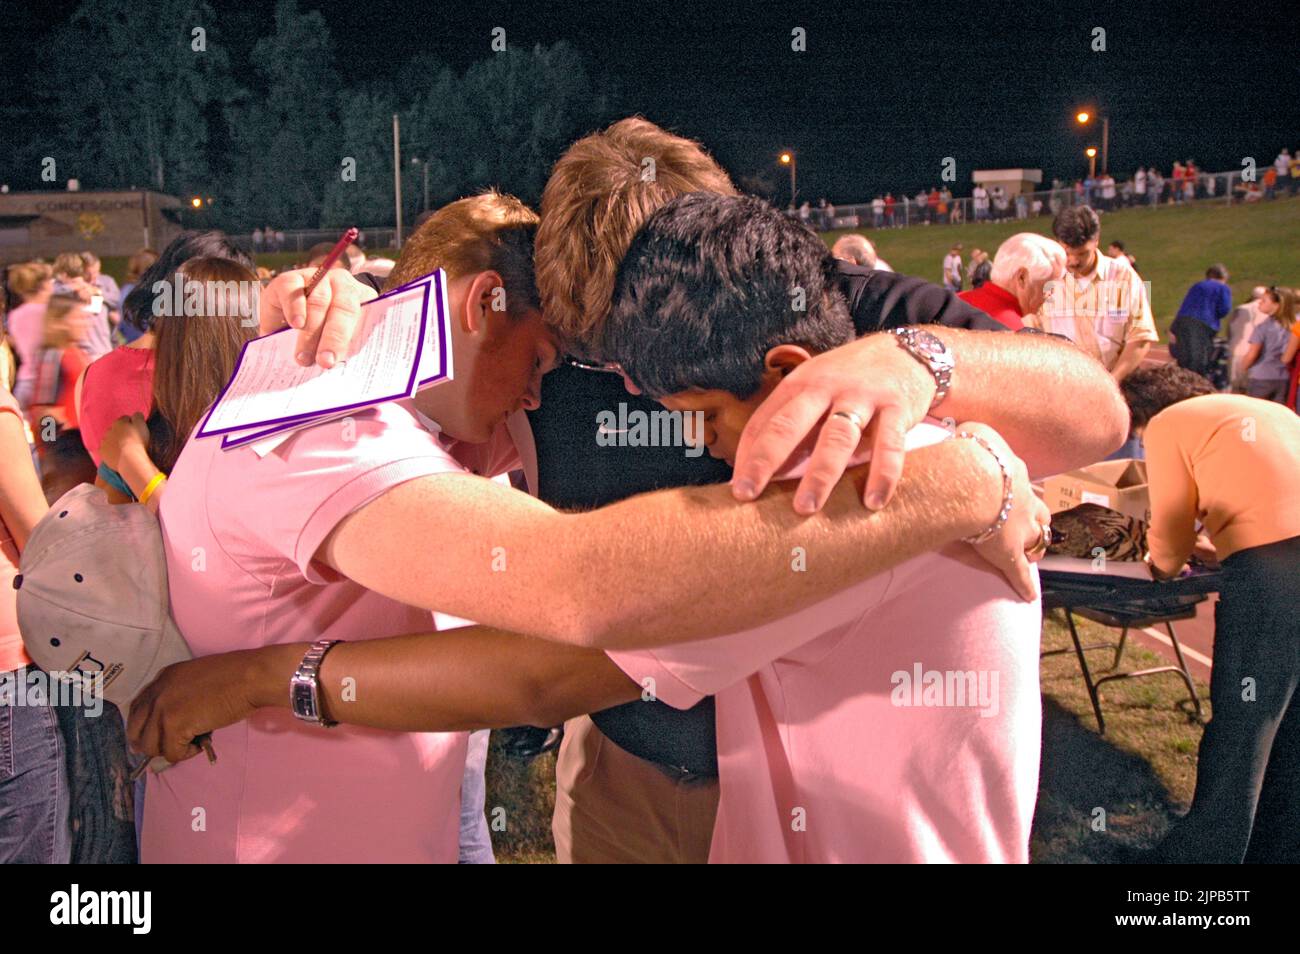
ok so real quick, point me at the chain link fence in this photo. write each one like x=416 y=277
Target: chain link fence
x=298 y=241
x=1221 y=187
x=908 y=211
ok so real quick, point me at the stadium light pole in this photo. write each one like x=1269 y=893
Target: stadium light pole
x=787 y=158
x=1091 y=153
x=417 y=161
x=1083 y=117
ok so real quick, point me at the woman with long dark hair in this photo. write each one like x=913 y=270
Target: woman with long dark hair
x=121 y=383
x=193 y=357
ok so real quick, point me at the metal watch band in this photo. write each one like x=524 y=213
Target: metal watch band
x=304 y=686
x=930 y=350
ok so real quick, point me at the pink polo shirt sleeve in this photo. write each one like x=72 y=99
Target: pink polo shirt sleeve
x=683 y=674
x=289 y=501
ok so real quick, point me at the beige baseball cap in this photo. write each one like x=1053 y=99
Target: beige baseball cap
x=92 y=594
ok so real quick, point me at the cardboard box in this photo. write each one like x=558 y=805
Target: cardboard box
x=1118 y=484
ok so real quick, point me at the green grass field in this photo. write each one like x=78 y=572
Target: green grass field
x=1260 y=244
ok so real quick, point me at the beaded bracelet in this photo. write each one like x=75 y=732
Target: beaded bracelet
x=1007 y=490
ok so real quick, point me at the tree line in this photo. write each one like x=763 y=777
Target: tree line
x=254 y=113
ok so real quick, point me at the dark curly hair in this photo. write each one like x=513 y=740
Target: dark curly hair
x=1149 y=391
x=1075 y=226
x=710 y=284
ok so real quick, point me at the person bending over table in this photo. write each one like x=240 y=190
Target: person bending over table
x=1230 y=462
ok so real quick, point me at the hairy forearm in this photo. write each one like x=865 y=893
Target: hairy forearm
x=1055 y=405
x=688 y=563
x=451 y=681
x=659 y=568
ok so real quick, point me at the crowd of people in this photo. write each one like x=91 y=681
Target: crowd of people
x=713 y=709
x=1146 y=186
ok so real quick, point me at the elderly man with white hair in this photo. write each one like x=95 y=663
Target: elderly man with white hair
x=858 y=249
x=1024 y=267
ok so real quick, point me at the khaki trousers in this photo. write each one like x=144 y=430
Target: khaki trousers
x=614 y=808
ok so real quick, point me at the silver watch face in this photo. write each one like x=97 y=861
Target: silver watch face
x=932 y=348
x=927 y=343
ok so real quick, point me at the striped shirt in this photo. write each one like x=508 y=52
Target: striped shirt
x=1101 y=313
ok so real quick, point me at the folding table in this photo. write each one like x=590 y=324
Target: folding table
x=1125 y=603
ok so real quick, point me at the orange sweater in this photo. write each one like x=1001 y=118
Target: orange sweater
x=1230 y=461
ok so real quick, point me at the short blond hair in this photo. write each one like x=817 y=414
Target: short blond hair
x=486 y=232
x=27 y=278
x=70 y=263
x=600 y=193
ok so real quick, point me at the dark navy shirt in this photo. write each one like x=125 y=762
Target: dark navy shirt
x=1207 y=301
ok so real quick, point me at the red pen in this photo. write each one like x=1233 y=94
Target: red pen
x=348 y=238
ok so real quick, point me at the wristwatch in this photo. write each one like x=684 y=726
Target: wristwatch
x=304 y=687
x=931 y=352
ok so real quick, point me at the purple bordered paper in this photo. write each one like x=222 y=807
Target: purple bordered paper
x=435 y=288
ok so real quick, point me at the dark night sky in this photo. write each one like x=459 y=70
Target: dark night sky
x=886 y=89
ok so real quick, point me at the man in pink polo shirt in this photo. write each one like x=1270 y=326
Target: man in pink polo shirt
x=898 y=720
x=1025 y=268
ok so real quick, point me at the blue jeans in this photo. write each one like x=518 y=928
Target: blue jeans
x=100 y=809
x=475 y=839
x=33 y=785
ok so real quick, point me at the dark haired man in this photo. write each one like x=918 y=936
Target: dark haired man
x=1101 y=304
x=718 y=298
x=1117 y=249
